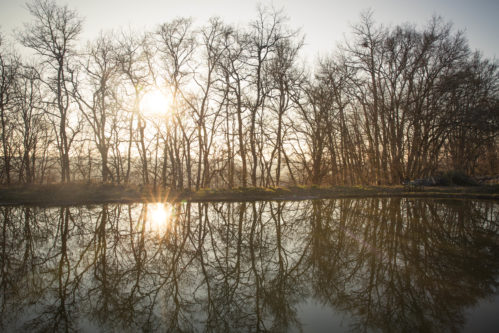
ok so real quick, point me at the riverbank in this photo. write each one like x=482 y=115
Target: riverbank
x=76 y=194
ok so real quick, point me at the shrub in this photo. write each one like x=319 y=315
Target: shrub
x=455 y=177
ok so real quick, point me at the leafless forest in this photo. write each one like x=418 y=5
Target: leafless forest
x=388 y=104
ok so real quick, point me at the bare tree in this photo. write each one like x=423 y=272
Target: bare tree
x=286 y=78
x=266 y=32
x=32 y=123
x=234 y=74
x=211 y=40
x=134 y=67
x=9 y=67
x=176 y=45
x=98 y=98
x=470 y=96
x=52 y=35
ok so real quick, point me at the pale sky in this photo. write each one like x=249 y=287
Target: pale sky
x=323 y=22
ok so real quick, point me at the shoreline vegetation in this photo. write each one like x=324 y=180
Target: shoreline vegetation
x=214 y=104
x=81 y=194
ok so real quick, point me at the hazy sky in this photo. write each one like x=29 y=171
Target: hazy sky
x=323 y=22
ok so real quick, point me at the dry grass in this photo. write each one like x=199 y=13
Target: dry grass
x=72 y=194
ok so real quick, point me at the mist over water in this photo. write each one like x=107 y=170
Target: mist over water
x=375 y=264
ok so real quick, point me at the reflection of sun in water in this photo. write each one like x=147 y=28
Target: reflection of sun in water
x=155 y=103
x=159 y=216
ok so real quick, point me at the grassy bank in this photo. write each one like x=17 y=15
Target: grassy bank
x=73 y=194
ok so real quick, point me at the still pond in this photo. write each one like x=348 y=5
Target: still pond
x=346 y=265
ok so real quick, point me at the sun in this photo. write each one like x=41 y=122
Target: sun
x=155 y=103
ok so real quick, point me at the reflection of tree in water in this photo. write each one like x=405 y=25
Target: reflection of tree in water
x=43 y=274
x=391 y=264
x=402 y=265
x=254 y=267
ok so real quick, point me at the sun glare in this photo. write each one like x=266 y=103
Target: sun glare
x=159 y=216
x=155 y=103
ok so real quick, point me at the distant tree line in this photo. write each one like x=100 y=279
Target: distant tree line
x=391 y=103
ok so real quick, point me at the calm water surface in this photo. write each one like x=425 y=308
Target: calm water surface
x=381 y=265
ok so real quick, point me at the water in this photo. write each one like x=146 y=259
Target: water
x=381 y=265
